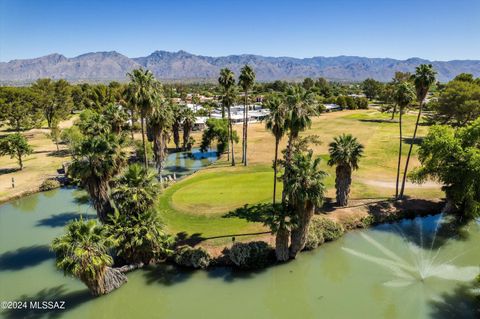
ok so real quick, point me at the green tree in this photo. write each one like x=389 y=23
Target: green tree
x=96 y=160
x=140 y=238
x=116 y=116
x=136 y=190
x=345 y=152
x=143 y=91
x=458 y=103
x=53 y=98
x=371 y=88
x=16 y=146
x=423 y=79
x=217 y=129
x=54 y=135
x=403 y=96
x=82 y=252
x=275 y=122
x=18 y=108
x=227 y=82
x=452 y=157
x=246 y=81
x=305 y=191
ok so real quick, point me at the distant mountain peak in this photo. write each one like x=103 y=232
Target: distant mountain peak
x=104 y=66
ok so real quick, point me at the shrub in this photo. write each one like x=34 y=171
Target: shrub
x=252 y=255
x=314 y=238
x=192 y=257
x=329 y=229
x=49 y=184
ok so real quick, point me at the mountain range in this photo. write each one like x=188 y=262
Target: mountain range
x=184 y=66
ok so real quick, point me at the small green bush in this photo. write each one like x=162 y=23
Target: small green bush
x=252 y=255
x=192 y=257
x=329 y=229
x=49 y=184
x=314 y=238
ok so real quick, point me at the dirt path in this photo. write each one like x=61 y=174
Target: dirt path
x=391 y=184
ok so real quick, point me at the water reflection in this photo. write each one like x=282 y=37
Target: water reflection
x=186 y=163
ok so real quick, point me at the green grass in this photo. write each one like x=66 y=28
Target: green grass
x=197 y=204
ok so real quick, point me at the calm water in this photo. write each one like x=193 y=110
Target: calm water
x=366 y=274
x=186 y=163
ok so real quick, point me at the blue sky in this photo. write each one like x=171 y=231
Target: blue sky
x=439 y=30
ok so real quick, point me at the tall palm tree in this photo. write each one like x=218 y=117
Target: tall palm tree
x=227 y=81
x=345 y=153
x=275 y=122
x=136 y=190
x=246 y=82
x=96 y=160
x=423 y=79
x=403 y=96
x=300 y=108
x=144 y=89
x=305 y=191
x=83 y=253
x=161 y=121
x=178 y=112
x=189 y=119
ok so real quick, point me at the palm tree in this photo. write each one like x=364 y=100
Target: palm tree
x=423 y=79
x=305 y=191
x=246 y=82
x=275 y=122
x=144 y=89
x=96 y=160
x=403 y=96
x=83 y=253
x=136 y=190
x=227 y=81
x=189 y=119
x=161 y=122
x=177 y=122
x=300 y=108
x=116 y=116
x=345 y=152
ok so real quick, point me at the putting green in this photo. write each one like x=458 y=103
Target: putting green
x=221 y=192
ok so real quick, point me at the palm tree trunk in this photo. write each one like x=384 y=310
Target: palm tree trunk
x=176 y=135
x=288 y=155
x=343 y=180
x=402 y=190
x=399 y=154
x=109 y=280
x=277 y=141
x=243 y=132
x=246 y=129
x=231 y=135
x=281 y=243
x=132 y=113
x=98 y=191
x=299 y=233
x=145 y=160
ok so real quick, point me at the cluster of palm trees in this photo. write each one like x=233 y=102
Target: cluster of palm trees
x=415 y=88
x=124 y=196
x=246 y=81
x=303 y=187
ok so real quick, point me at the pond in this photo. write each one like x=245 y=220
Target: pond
x=186 y=163
x=411 y=269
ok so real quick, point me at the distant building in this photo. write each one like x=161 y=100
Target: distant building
x=332 y=107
